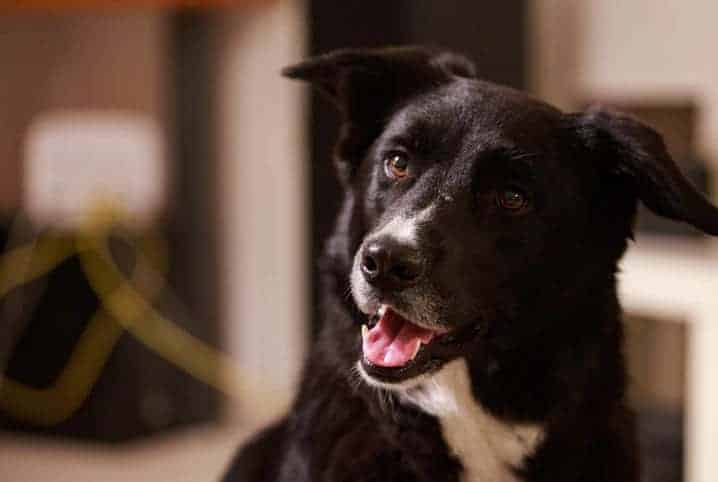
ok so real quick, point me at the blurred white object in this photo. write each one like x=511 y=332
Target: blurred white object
x=77 y=159
x=676 y=280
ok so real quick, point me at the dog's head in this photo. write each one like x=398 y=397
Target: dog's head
x=474 y=211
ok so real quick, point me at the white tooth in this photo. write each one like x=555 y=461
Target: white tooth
x=364 y=331
x=382 y=310
x=416 y=350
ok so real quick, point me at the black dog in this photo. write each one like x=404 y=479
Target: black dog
x=479 y=239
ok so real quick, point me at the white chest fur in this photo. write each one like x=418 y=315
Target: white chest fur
x=486 y=446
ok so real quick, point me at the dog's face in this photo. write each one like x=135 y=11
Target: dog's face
x=477 y=208
x=466 y=193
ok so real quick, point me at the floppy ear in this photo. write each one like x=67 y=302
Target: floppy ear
x=637 y=153
x=366 y=85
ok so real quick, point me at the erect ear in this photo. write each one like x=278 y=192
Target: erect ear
x=349 y=76
x=367 y=84
x=637 y=153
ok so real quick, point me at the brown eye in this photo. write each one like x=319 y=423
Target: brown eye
x=512 y=200
x=397 y=166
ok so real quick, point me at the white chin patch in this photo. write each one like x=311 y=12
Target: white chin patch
x=401 y=386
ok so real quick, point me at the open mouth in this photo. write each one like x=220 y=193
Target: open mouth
x=391 y=341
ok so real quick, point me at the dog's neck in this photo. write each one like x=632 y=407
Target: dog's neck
x=495 y=411
x=489 y=449
x=527 y=380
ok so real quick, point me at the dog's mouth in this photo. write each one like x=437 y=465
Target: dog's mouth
x=395 y=349
x=392 y=341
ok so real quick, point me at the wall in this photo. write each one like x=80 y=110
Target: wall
x=638 y=49
x=262 y=191
x=122 y=61
x=74 y=61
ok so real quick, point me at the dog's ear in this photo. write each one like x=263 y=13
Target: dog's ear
x=367 y=84
x=351 y=77
x=636 y=153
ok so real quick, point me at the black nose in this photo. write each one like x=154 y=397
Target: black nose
x=389 y=264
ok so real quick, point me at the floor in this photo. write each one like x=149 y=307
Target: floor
x=196 y=455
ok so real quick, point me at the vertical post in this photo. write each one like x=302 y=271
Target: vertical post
x=701 y=448
x=193 y=223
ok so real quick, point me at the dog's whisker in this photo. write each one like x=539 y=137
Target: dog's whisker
x=355 y=379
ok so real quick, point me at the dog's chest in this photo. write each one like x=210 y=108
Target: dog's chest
x=487 y=448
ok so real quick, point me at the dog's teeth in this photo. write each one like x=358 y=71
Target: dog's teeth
x=416 y=350
x=364 y=331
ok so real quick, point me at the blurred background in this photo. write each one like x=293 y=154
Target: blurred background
x=164 y=194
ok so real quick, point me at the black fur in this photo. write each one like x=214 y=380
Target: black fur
x=530 y=297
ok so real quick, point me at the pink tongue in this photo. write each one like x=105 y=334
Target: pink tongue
x=394 y=340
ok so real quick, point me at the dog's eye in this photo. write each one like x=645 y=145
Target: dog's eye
x=512 y=199
x=396 y=165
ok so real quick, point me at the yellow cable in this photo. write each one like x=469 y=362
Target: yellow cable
x=27 y=263
x=56 y=403
x=138 y=317
x=122 y=308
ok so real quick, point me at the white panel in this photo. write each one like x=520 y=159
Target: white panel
x=77 y=160
x=638 y=49
x=677 y=281
x=263 y=165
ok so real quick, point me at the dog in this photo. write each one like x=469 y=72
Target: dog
x=471 y=331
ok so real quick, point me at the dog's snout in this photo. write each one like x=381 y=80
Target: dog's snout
x=389 y=264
